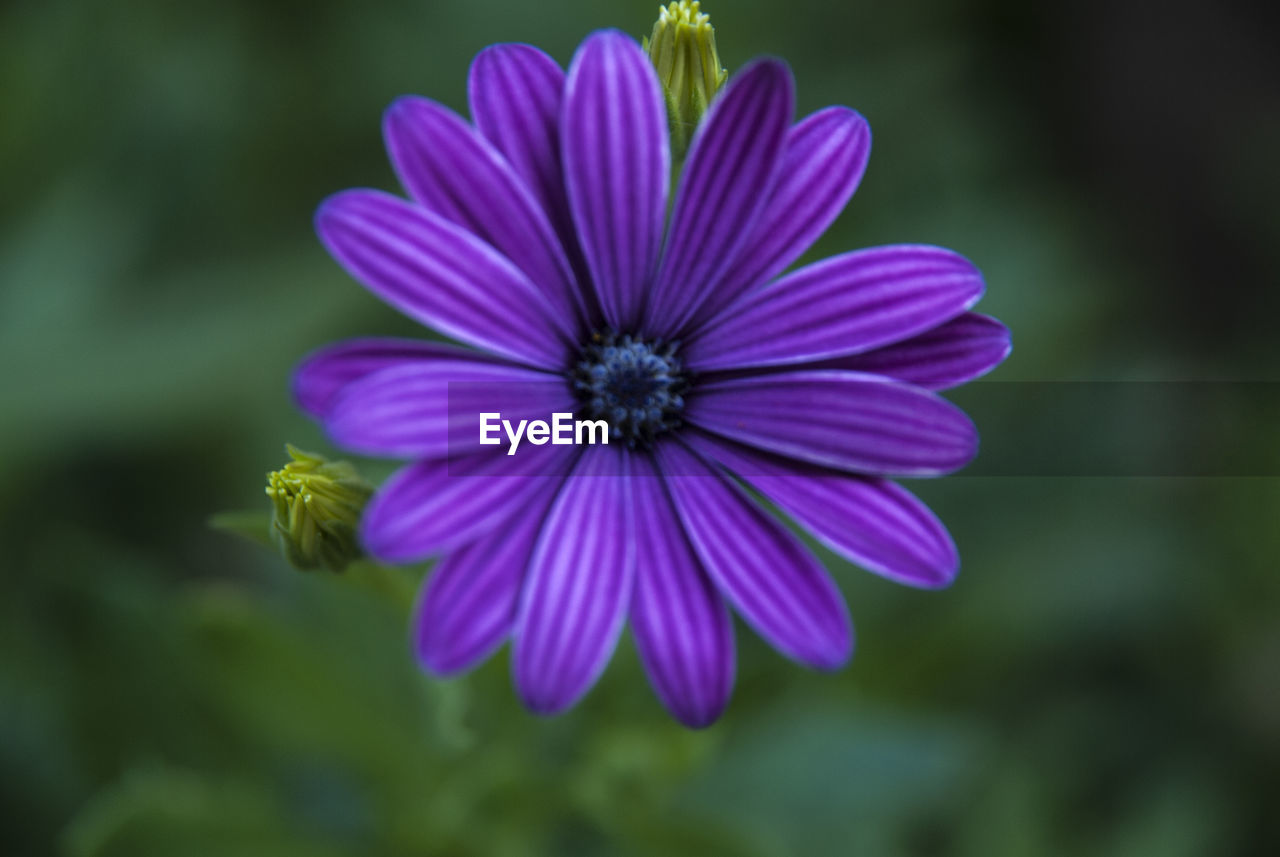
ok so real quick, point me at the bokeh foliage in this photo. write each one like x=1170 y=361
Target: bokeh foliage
x=1102 y=680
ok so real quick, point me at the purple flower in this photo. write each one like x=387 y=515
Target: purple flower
x=540 y=238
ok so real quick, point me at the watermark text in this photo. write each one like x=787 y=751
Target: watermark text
x=562 y=431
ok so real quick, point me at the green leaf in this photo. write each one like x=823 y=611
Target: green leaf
x=254 y=526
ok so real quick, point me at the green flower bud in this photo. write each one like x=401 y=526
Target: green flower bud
x=317 y=509
x=683 y=50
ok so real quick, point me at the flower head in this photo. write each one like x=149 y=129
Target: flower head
x=538 y=238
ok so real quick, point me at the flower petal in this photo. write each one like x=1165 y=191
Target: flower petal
x=777 y=585
x=846 y=420
x=681 y=626
x=441 y=275
x=617 y=163
x=324 y=372
x=516 y=92
x=450 y=169
x=433 y=409
x=870 y=521
x=468 y=604
x=843 y=305
x=578 y=585
x=967 y=347
x=825 y=157
x=435 y=506
x=724 y=188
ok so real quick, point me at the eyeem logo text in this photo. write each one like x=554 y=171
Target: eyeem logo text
x=562 y=431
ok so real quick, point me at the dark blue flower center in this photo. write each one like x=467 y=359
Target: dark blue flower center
x=636 y=386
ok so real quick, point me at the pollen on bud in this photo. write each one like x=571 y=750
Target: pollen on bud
x=683 y=50
x=317 y=509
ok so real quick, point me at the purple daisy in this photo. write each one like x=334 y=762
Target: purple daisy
x=539 y=236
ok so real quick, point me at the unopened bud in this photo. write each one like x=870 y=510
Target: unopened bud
x=317 y=510
x=683 y=50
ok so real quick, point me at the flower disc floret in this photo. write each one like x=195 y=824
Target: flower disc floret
x=637 y=386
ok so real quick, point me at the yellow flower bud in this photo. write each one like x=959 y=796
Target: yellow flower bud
x=317 y=510
x=683 y=50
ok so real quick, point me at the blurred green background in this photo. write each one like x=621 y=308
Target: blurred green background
x=1103 y=679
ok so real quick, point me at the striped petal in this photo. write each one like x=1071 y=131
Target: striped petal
x=578 y=586
x=870 y=521
x=450 y=169
x=468 y=605
x=442 y=276
x=843 y=305
x=846 y=420
x=723 y=190
x=825 y=158
x=435 y=506
x=433 y=409
x=967 y=347
x=682 y=628
x=777 y=585
x=617 y=163
x=516 y=92
x=323 y=373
